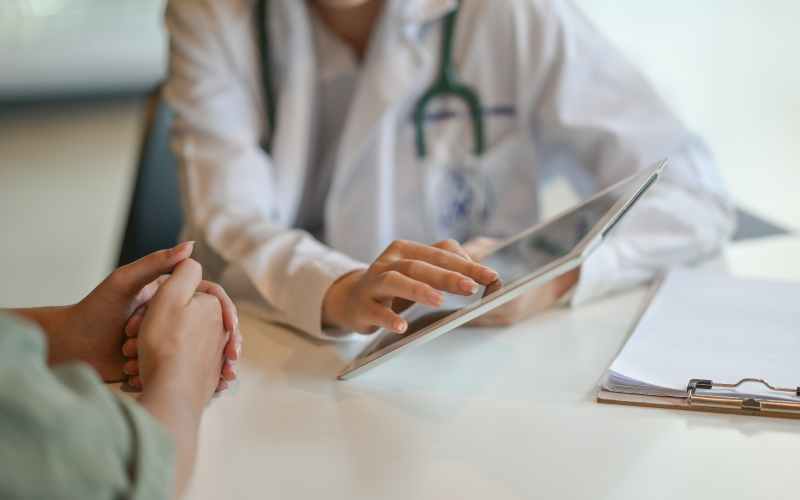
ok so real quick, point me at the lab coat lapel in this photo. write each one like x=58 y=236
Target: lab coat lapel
x=394 y=65
x=397 y=69
x=292 y=38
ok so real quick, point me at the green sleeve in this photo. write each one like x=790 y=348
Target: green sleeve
x=63 y=435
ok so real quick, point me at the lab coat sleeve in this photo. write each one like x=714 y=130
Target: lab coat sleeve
x=597 y=119
x=227 y=179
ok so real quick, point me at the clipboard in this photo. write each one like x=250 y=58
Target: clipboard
x=757 y=407
x=760 y=407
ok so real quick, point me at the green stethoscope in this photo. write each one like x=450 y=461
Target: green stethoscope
x=447 y=84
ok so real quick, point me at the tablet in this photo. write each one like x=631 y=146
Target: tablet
x=530 y=259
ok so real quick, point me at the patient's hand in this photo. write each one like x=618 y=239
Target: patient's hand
x=525 y=305
x=182 y=343
x=233 y=349
x=97 y=323
x=93 y=330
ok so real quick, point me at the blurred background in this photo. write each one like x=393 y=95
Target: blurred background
x=76 y=77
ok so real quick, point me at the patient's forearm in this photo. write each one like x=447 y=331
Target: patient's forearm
x=55 y=321
x=167 y=401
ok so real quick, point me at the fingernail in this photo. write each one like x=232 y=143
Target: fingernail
x=238 y=350
x=399 y=326
x=435 y=298
x=123 y=349
x=468 y=286
x=236 y=322
x=125 y=369
x=178 y=248
x=488 y=275
x=130 y=381
x=235 y=371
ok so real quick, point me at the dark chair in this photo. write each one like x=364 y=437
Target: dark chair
x=155 y=216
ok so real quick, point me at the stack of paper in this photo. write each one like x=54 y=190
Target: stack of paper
x=713 y=326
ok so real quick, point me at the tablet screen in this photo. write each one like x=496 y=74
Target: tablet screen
x=517 y=260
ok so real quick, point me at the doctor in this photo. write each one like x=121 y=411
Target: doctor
x=301 y=160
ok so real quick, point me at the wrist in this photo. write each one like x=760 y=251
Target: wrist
x=56 y=322
x=166 y=400
x=170 y=388
x=53 y=319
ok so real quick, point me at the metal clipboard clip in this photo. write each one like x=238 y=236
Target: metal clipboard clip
x=734 y=403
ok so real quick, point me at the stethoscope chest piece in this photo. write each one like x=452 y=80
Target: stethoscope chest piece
x=456 y=197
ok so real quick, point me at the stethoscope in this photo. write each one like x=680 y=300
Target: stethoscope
x=447 y=84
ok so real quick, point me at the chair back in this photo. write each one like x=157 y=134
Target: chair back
x=155 y=218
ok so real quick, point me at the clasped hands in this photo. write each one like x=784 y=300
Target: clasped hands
x=104 y=328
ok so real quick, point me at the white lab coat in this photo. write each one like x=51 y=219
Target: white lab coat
x=559 y=99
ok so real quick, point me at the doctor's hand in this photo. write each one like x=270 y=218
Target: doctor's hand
x=406 y=272
x=526 y=305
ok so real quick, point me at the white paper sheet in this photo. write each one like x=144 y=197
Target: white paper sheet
x=713 y=326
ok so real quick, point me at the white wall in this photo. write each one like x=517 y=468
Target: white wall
x=731 y=70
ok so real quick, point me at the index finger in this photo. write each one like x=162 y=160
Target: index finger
x=183 y=283
x=452 y=262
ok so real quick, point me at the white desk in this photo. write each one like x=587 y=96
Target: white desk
x=480 y=413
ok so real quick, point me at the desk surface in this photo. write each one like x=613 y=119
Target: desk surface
x=482 y=413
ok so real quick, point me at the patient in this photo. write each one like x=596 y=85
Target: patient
x=63 y=435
